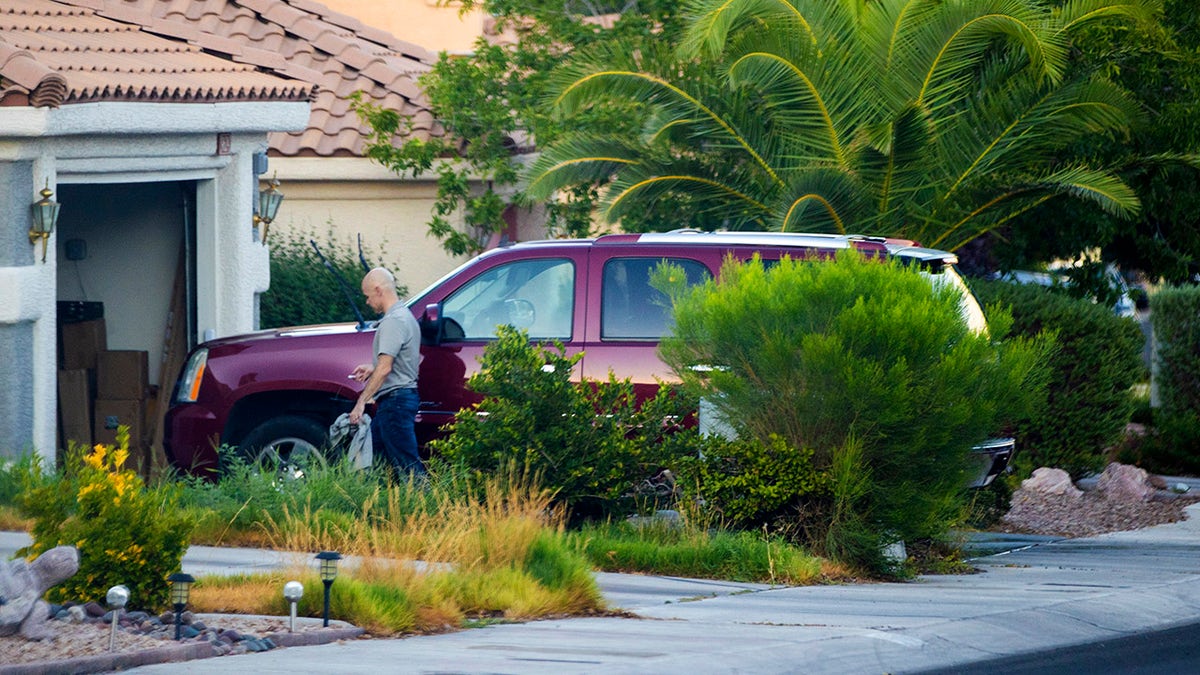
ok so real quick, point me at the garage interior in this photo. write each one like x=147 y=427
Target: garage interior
x=126 y=310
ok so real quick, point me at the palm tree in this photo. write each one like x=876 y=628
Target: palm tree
x=937 y=120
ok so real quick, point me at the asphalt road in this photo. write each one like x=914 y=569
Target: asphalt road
x=1164 y=652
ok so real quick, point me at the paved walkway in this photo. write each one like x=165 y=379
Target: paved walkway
x=1046 y=594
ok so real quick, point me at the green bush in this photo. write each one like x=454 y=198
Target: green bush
x=1173 y=445
x=303 y=292
x=749 y=484
x=1097 y=360
x=125 y=533
x=1175 y=315
x=871 y=368
x=591 y=443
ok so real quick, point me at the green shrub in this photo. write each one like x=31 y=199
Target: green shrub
x=1173 y=445
x=592 y=444
x=125 y=533
x=871 y=368
x=1093 y=369
x=303 y=292
x=749 y=484
x=1175 y=315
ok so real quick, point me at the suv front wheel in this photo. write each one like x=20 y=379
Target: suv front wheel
x=286 y=445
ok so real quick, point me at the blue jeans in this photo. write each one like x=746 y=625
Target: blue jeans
x=392 y=432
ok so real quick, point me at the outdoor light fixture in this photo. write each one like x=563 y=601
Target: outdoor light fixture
x=117 y=597
x=292 y=591
x=328 y=574
x=181 y=585
x=268 y=206
x=45 y=215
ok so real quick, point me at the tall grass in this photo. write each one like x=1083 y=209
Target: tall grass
x=497 y=549
x=687 y=550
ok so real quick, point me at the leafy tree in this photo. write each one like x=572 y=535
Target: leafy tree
x=1159 y=62
x=491 y=105
x=936 y=120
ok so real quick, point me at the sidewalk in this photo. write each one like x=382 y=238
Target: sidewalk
x=1049 y=594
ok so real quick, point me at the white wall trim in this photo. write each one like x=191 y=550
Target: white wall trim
x=113 y=118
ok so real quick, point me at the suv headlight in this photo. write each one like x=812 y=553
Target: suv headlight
x=187 y=390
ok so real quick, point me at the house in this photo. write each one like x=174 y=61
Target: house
x=152 y=123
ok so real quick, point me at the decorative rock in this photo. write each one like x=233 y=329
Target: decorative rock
x=76 y=614
x=188 y=632
x=137 y=616
x=93 y=609
x=187 y=617
x=1051 y=482
x=198 y=625
x=1122 y=482
x=22 y=585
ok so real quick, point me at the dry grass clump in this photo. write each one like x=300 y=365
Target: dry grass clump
x=425 y=560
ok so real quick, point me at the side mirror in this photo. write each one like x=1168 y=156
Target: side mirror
x=436 y=329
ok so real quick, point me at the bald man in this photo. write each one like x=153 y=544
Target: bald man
x=391 y=381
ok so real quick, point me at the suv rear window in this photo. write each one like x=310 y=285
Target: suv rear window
x=631 y=308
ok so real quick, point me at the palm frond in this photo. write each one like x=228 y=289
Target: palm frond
x=578 y=159
x=713 y=21
x=820 y=200
x=1076 y=14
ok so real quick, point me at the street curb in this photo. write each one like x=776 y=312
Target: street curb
x=172 y=654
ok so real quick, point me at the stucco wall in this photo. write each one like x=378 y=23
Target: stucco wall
x=352 y=196
x=120 y=143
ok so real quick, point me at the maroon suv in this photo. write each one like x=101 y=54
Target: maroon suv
x=275 y=393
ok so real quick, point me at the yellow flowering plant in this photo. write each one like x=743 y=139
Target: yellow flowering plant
x=126 y=533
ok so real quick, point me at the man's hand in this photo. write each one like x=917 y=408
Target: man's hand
x=362 y=372
x=356 y=412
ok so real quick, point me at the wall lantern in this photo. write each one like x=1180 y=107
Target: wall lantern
x=181 y=586
x=268 y=206
x=329 y=564
x=117 y=598
x=292 y=592
x=45 y=215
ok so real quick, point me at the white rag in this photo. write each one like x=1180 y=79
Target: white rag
x=355 y=437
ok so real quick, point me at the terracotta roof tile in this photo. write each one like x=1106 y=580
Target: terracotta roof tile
x=54 y=53
x=332 y=50
x=206 y=50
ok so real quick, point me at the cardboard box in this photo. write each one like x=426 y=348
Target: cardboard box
x=75 y=406
x=110 y=414
x=81 y=342
x=122 y=375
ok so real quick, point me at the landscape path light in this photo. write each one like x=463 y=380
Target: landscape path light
x=117 y=597
x=292 y=591
x=329 y=564
x=181 y=586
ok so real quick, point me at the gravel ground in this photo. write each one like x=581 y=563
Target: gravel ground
x=76 y=640
x=1089 y=514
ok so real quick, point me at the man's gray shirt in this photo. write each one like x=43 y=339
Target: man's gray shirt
x=398 y=334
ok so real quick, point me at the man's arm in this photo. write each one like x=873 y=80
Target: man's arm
x=383 y=366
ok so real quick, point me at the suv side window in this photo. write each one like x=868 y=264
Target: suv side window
x=535 y=295
x=631 y=309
